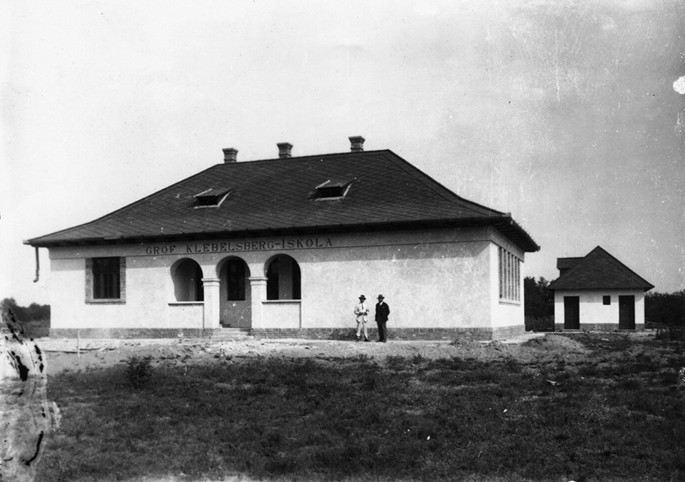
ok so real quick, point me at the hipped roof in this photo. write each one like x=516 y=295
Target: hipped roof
x=277 y=196
x=598 y=270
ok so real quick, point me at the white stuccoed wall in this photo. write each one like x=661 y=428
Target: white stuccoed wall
x=434 y=278
x=592 y=309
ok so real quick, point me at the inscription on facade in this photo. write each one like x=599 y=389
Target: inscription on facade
x=233 y=246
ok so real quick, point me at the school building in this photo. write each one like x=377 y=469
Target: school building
x=283 y=247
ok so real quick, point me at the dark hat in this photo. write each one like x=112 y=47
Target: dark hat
x=380 y=297
x=362 y=297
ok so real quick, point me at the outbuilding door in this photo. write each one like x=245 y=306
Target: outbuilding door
x=626 y=312
x=571 y=312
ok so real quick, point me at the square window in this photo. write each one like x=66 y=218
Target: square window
x=105 y=279
x=607 y=300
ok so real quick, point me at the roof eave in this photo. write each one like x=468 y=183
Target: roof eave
x=505 y=224
x=511 y=229
x=571 y=288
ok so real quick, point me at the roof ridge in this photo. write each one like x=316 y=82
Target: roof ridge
x=622 y=264
x=308 y=157
x=584 y=262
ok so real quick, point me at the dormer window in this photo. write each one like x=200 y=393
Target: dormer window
x=333 y=189
x=211 y=198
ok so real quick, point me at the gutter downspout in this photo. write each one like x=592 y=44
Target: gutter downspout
x=37 y=266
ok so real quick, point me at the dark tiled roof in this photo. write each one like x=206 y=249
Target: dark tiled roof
x=567 y=263
x=564 y=264
x=279 y=196
x=598 y=270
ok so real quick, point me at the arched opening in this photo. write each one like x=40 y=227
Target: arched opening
x=283 y=279
x=235 y=293
x=235 y=272
x=187 y=277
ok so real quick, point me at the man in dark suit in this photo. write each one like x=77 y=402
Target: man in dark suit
x=382 y=312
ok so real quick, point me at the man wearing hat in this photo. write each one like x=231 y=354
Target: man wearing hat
x=382 y=312
x=361 y=310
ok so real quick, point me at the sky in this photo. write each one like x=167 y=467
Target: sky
x=563 y=113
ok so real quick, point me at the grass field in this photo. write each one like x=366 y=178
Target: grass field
x=616 y=413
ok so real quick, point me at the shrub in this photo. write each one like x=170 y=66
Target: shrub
x=138 y=371
x=539 y=323
x=671 y=333
x=396 y=363
x=511 y=364
x=417 y=359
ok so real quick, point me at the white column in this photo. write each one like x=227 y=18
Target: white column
x=212 y=303
x=258 y=294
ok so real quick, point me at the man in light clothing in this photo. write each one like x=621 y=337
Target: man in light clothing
x=361 y=310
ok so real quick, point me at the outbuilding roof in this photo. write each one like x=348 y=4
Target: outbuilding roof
x=597 y=270
x=280 y=196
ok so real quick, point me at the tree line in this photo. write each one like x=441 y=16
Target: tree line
x=665 y=308
x=33 y=312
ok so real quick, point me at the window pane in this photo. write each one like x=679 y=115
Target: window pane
x=106 y=278
x=501 y=273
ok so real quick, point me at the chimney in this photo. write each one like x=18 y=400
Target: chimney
x=357 y=143
x=230 y=155
x=284 y=150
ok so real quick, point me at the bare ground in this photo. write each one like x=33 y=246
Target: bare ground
x=535 y=349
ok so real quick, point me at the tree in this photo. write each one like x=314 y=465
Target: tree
x=538 y=306
x=665 y=308
x=34 y=312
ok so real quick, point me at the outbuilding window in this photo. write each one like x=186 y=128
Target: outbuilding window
x=105 y=279
x=606 y=300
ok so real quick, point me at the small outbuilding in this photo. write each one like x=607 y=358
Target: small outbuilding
x=598 y=292
x=283 y=247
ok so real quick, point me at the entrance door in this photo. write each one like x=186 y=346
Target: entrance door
x=236 y=311
x=626 y=312
x=571 y=312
